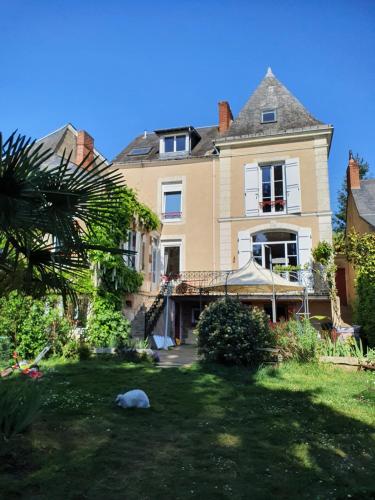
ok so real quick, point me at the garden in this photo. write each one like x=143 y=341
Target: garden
x=213 y=431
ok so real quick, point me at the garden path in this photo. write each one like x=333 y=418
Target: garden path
x=183 y=355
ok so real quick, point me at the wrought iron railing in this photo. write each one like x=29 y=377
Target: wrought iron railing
x=171 y=215
x=313 y=279
x=194 y=282
x=200 y=282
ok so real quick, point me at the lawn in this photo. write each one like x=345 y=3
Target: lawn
x=301 y=431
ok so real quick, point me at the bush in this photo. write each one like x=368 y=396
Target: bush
x=364 y=308
x=229 y=332
x=297 y=340
x=75 y=349
x=31 y=324
x=106 y=326
x=19 y=406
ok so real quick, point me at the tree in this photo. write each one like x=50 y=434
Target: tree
x=47 y=214
x=339 y=220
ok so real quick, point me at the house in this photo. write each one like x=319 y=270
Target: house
x=360 y=216
x=254 y=185
x=79 y=144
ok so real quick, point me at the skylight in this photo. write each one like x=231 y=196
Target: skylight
x=139 y=151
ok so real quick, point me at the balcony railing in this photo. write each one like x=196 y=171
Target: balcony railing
x=171 y=215
x=199 y=282
x=313 y=279
x=269 y=203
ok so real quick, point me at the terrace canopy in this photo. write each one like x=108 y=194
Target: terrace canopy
x=252 y=278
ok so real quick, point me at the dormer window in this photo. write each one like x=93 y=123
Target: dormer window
x=176 y=143
x=269 y=116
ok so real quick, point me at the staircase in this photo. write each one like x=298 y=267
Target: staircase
x=154 y=313
x=138 y=324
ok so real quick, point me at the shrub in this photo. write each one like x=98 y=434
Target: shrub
x=30 y=324
x=75 y=349
x=365 y=306
x=347 y=347
x=19 y=406
x=229 y=332
x=297 y=340
x=106 y=326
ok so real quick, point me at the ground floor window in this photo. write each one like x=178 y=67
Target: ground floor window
x=273 y=248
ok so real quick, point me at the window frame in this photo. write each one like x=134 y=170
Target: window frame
x=264 y=112
x=171 y=187
x=272 y=200
x=171 y=243
x=175 y=150
x=264 y=244
x=131 y=244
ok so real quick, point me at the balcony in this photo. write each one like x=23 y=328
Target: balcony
x=199 y=282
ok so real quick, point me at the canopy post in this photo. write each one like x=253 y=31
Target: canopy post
x=273 y=308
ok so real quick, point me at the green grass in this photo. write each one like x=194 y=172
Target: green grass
x=301 y=431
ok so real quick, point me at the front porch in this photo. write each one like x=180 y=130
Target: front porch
x=188 y=293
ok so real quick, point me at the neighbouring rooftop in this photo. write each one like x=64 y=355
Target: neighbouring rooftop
x=364 y=199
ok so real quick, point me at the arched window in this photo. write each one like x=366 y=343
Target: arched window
x=271 y=248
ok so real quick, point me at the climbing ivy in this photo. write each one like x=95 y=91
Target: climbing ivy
x=324 y=254
x=360 y=250
x=109 y=270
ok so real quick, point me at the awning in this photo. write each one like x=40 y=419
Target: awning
x=252 y=278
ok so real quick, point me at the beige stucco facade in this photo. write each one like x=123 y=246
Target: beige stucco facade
x=213 y=206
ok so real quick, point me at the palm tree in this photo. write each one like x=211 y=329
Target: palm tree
x=46 y=211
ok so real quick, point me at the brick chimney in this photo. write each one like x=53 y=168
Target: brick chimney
x=352 y=173
x=85 y=146
x=225 y=116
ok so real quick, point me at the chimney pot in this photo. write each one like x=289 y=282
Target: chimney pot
x=225 y=116
x=85 y=148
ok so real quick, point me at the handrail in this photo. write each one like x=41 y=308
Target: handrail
x=153 y=314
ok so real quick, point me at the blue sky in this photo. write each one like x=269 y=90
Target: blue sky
x=116 y=68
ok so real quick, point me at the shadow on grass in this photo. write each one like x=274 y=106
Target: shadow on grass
x=212 y=432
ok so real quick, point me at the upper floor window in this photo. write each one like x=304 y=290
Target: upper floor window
x=130 y=244
x=171 y=201
x=176 y=144
x=272 y=197
x=273 y=188
x=268 y=116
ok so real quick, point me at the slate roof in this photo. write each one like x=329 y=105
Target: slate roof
x=204 y=146
x=365 y=200
x=269 y=95
x=55 y=140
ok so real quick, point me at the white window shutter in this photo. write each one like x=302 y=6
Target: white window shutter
x=304 y=246
x=251 y=189
x=244 y=248
x=293 y=185
x=305 y=256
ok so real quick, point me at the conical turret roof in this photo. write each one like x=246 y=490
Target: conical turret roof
x=271 y=94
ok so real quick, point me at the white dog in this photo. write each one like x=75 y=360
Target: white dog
x=133 y=399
